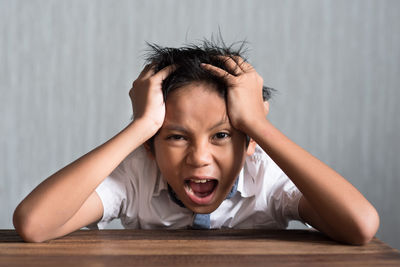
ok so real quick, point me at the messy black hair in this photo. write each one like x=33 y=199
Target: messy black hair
x=188 y=59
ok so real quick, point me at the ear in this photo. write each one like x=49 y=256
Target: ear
x=149 y=153
x=251 y=147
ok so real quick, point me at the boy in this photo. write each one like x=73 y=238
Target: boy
x=210 y=159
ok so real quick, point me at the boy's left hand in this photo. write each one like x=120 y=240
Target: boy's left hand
x=245 y=101
x=329 y=202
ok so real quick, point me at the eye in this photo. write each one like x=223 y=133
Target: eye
x=175 y=137
x=221 y=135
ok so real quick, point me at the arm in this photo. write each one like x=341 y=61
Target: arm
x=66 y=201
x=329 y=203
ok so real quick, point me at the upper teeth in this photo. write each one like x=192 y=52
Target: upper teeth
x=200 y=181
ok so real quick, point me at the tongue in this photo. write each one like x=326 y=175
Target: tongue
x=202 y=187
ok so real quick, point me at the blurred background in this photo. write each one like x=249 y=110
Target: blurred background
x=66 y=68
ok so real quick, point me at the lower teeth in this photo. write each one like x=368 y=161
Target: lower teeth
x=190 y=190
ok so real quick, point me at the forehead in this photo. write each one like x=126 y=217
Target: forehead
x=195 y=87
x=195 y=103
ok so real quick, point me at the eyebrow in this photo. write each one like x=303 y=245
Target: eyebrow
x=221 y=122
x=178 y=128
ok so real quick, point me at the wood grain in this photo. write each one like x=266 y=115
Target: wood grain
x=194 y=248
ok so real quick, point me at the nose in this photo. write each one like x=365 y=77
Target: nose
x=199 y=155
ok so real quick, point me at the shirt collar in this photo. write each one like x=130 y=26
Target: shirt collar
x=247 y=182
x=160 y=184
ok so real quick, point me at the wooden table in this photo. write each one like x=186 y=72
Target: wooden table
x=193 y=248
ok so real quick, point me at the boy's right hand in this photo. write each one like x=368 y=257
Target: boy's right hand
x=147 y=97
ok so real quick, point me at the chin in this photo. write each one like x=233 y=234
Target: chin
x=204 y=209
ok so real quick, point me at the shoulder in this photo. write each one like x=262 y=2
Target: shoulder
x=260 y=164
x=263 y=176
x=258 y=175
x=136 y=172
x=272 y=186
x=138 y=156
x=136 y=162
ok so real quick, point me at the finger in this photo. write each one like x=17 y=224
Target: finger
x=215 y=70
x=243 y=65
x=236 y=64
x=147 y=71
x=165 y=72
x=231 y=65
x=238 y=60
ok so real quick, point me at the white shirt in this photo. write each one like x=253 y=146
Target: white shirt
x=136 y=193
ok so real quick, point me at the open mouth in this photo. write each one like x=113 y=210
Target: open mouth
x=200 y=191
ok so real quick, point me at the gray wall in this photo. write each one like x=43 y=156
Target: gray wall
x=66 y=68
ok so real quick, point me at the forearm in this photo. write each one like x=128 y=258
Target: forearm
x=340 y=206
x=59 y=197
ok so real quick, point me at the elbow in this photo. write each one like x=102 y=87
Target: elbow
x=366 y=228
x=25 y=227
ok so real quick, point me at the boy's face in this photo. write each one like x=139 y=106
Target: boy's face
x=197 y=150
